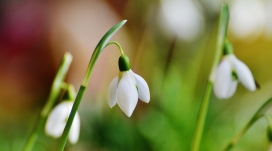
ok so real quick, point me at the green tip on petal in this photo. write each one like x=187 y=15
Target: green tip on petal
x=234 y=75
x=123 y=63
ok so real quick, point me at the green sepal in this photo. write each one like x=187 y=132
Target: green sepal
x=228 y=49
x=67 y=96
x=269 y=133
x=269 y=127
x=70 y=93
x=123 y=63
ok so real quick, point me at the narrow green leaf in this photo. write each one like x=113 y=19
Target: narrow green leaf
x=98 y=49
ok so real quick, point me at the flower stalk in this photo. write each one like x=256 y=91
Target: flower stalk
x=260 y=113
x=54 y=93
x=118 y=45
x=100 y=46
x=222 y=32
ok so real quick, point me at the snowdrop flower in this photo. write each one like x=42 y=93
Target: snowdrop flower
x=268 y=14
x=126 y=88
x=228 y=73
x=182 y=18
x=247 y=19
x=57 y=119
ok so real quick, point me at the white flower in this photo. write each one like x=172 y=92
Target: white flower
x=182 y=18
x=125 y=90
x=228 y=73
x=57 y=120
x=247 y=19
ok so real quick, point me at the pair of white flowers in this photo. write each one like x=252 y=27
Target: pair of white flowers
x=125 y=89
x=229 y=72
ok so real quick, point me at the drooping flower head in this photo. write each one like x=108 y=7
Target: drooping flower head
x=57 y=120
x=229 y=72
x=127 y=87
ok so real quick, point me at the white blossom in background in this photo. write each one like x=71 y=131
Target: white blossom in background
x=181 y=18
x=269 y=147
x=229 y=72
x=247 y=18
x=212 y=7
x=268 y=12
x=125 y=89
x=57 y=120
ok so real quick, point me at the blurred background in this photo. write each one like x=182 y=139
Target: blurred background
x=170 y=43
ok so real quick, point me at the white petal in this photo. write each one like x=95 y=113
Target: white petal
x=224 y=85
x=131 y=73
x=231 y=89
x=56 y=120
x=143 y=89
x=127 y=94
x=74 y=131
x=244 y=75
x=112 y=92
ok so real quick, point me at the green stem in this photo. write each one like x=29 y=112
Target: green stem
x=222 y=34
x=54 y=93
x=118 y=45
x=64 y=85
x=71 y=92
x=34 y=135
x=260 y=113
x=223 y=25
x=100 y=46
x=268 y=119
x=201 y=117
x=72 y=114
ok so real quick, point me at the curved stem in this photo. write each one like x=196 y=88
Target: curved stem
x=64 y=85
x=54 y=93
x=70 y=93
x=118 y=45
x=100 y=46
x=223 y=25
x=268 y=119
x=260 y=113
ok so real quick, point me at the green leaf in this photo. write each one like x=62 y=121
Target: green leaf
x=98 y=49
